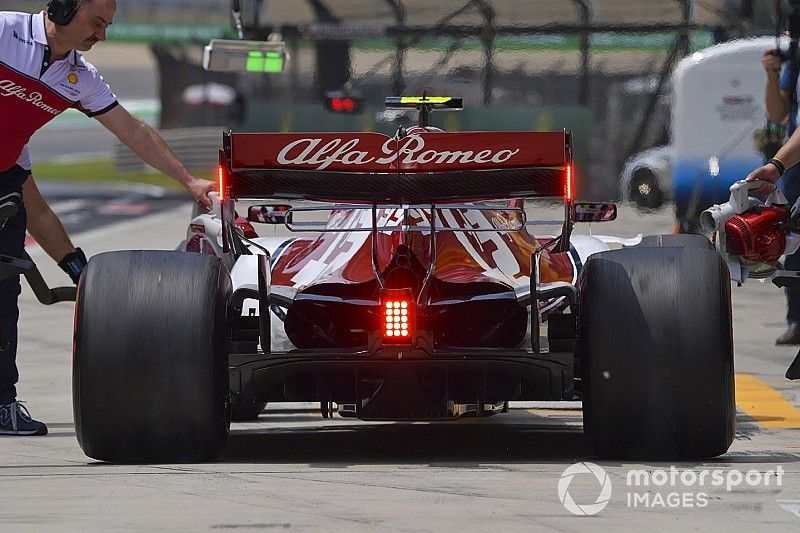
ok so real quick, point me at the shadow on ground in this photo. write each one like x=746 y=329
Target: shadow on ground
x=514 y=438
x=342 y=442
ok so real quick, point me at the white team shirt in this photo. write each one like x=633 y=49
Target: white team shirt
x=34 y=90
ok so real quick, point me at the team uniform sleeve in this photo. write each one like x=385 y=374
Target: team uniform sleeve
x=24 y=159
x=97 y=98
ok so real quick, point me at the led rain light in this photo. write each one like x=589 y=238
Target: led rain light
x=569 y=182
x=221 y=180
x=397 y=311
x=223 y=55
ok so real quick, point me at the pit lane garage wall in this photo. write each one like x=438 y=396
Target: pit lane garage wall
x=718 y=107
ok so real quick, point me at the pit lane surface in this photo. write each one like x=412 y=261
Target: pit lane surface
x=295 y=470
x=83 y=208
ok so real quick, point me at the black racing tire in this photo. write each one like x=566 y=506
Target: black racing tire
x=689 y=224
x=685 y=240
x=150 y=368
x=246 y=412
x=645 y=191
x=656 y=345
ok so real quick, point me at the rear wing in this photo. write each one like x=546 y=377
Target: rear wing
x=370 y=168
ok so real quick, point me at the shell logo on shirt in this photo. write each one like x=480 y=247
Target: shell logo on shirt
x=72 y=78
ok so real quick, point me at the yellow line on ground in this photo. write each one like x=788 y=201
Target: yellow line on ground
x=764 y=404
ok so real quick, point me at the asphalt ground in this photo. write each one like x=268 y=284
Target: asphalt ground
x=83 y=208
x=292 y=469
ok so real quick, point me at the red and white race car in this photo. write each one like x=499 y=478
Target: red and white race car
x=418 y=294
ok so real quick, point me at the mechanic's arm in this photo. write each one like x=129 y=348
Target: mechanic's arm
x=776 y=100
x=151 y=148
x=48 y=231
x=788 y=155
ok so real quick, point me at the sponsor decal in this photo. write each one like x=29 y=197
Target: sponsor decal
x=73 y=91
x=738 y=107
x=72 y=78
x=11 y=90
x=21 y=39
x=409 y=151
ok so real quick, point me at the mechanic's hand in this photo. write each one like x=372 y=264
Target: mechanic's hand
x=771 y=60
x=768 y=173
x=199 y=190
x=73 y=264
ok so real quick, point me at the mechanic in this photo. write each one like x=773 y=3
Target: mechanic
x=42 y=73
x=779 y=111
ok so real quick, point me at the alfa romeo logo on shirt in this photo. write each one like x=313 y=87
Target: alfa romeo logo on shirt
x=35 y=98
x=72 y=78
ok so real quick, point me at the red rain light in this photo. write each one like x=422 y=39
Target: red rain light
x=221 y=181
x=568 y=191
x=397 y=317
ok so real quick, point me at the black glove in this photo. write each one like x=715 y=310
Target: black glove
x=73 y=264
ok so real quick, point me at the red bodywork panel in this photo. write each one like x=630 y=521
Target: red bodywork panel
x=461 y=257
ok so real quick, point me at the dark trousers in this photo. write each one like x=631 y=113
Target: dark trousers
x=12 y=243
x=790 y=185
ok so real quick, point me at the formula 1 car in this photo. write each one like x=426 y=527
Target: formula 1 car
x=420 y=296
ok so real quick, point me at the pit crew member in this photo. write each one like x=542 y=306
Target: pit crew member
x=43 y=73
x=779 y=110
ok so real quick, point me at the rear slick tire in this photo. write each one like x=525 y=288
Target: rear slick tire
x=684 y=240
x=150 y=377
x=656 y=347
